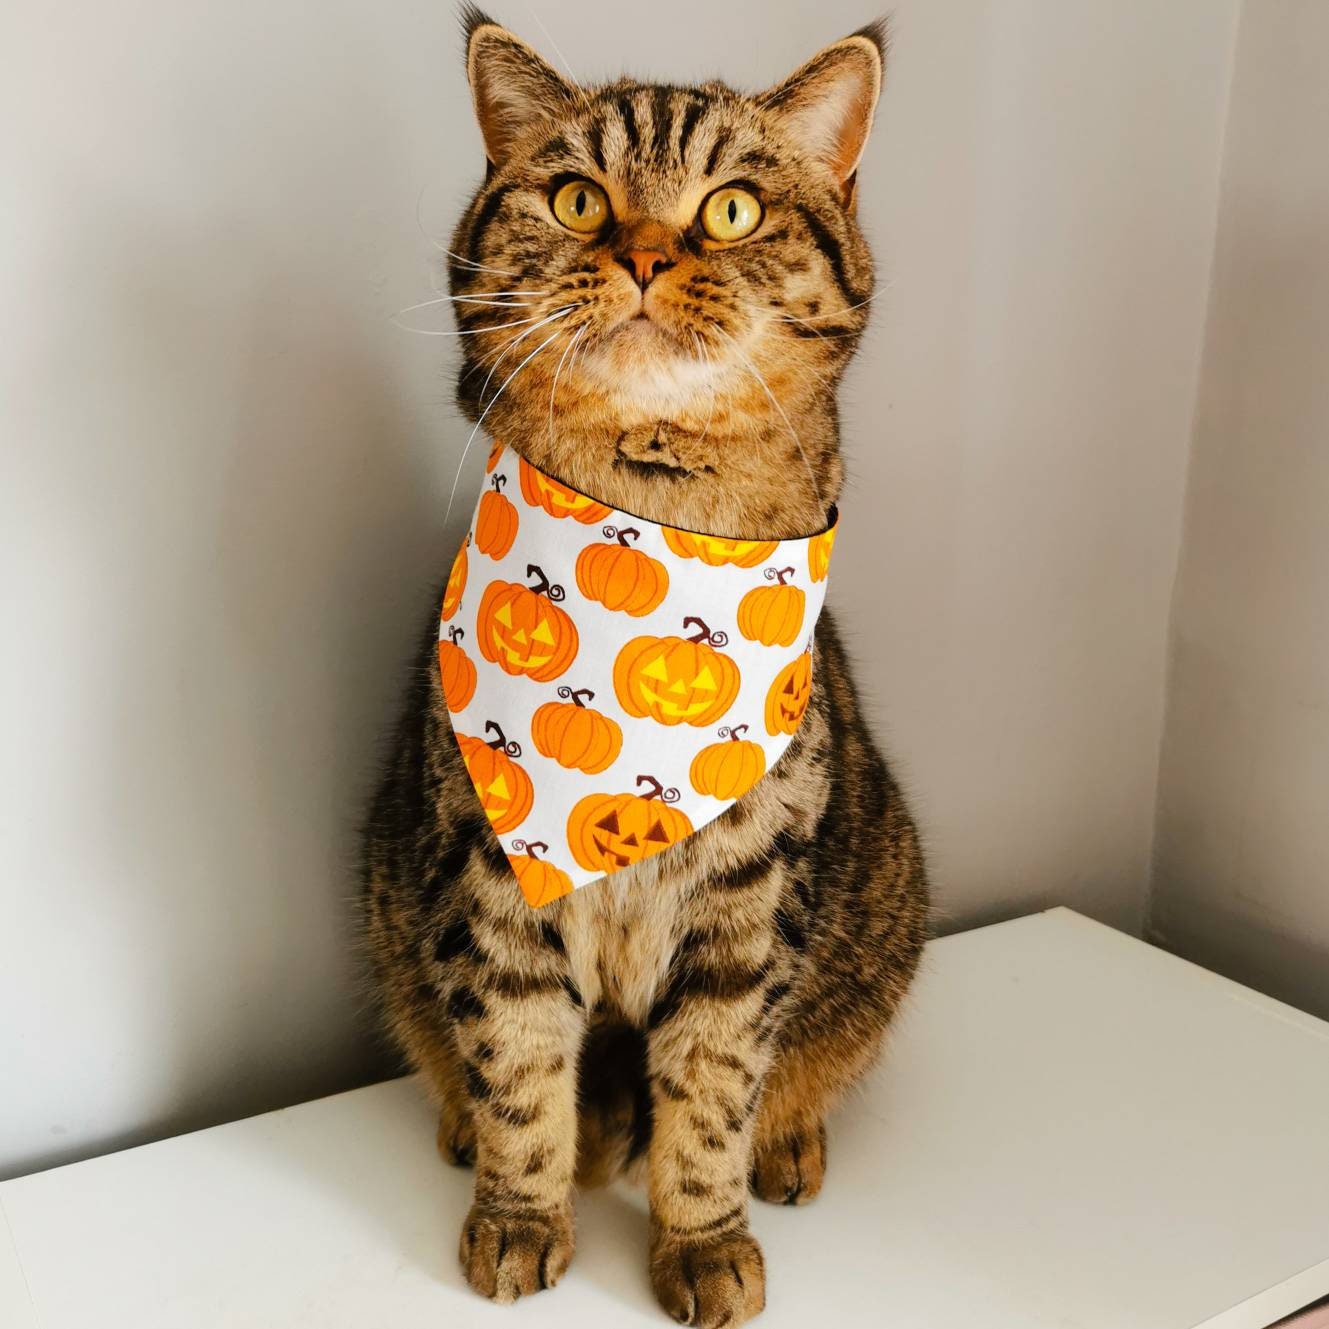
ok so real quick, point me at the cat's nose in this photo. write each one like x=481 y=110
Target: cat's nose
x=644 y=265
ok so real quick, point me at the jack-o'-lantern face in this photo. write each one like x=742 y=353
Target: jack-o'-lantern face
x=716 y=552
x=504 y=789
x=456 y=586
x=788 y=697
x=676 y=680
x=607 y=832
x=523 y=631
x=540 y=491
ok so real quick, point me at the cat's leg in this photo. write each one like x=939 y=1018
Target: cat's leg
x=789 y=1149
x=708 y=1054
x=519 y=1033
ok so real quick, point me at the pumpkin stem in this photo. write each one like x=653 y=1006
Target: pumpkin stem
x=501 y=744
x=704 y=634
x=529 y=847
x=498 y=482
x=778 y=574
x=455 y=635
x=542 y=585
x=733 y=732
x=656 y=790
x=625 y=532
x=575 y=695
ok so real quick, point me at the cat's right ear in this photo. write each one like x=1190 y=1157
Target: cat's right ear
x=512 y=87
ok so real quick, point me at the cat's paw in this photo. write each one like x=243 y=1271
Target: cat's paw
x=456 y=1138
x=710 y=1282
x=506 y=1258
x=791 y=1168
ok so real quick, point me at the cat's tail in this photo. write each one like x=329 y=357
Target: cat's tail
x=614 y=1126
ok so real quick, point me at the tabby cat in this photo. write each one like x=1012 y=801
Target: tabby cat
x=661 y=287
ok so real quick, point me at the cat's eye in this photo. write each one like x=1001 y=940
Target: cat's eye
x=581 y=206
x=731 y=213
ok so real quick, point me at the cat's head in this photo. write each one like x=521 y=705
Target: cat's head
x=660 y=286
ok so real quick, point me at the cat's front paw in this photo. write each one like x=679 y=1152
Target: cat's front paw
x=790 y=1169
x=710 y=1282
x=506 y=1258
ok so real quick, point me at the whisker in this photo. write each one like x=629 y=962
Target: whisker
x=466 y=332
x=837 y=313
x=577 y=336
x=710 y=383
x=558 y=332
x=752 y=369
x=518 y=339
x=477 y=267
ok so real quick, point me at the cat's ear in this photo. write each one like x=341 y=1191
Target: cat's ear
x=512 y=87
x=826 y=106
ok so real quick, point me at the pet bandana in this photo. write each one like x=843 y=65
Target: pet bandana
x=615 y=684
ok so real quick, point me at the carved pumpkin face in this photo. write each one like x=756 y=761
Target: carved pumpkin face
x=496 y=522
x=730 y=768
x=620 y=577
x=503 y=788
x=607 y=832
x=676 y=680
x=574 y=735
x=715 y=552
x=456 y=586
x=557 y=499
x=789 y=695
x=540 y=881
x=456 y=671
x=524 y=632
x=819 y=553
x=773 y=615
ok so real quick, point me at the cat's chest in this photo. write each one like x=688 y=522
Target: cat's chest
x=620 y=938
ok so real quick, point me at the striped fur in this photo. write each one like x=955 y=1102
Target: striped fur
x=703 y=1010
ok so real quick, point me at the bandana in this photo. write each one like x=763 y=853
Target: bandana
x=615 y=684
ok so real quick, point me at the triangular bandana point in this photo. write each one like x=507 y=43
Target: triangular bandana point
x=616 y=684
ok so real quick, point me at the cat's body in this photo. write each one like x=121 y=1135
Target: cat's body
x=705 y=1007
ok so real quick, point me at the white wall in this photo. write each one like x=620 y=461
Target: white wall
x=225 y=473
x=1243 y=831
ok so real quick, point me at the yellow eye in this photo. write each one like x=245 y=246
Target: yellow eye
x=580 y=206
x=730 y=214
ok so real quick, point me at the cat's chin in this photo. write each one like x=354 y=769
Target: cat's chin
x=641 y=362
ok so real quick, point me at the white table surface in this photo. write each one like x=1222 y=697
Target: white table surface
x=1071 y=1130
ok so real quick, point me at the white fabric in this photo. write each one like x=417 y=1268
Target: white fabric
x=507 y=651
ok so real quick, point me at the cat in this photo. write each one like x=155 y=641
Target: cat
x=661 y=287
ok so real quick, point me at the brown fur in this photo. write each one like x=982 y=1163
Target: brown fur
x=705 y=1008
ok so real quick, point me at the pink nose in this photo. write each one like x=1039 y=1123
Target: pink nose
x=644 y=265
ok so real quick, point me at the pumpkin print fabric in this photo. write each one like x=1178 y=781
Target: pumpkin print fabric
x=615 y=684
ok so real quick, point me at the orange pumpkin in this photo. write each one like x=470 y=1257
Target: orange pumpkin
x=728 y=769
x=773 y=615
x=676 y=680
x=494 y=454
x=540 y=881
x=714 y=552
x=620 y=577
x=574 y=735
x=788 y=697
x=496 y=524
x=457 y=671
x=456 y=586
x=558 y=500
x=819 y=553
x=523 y=631
x=611 y=831
x=505 y=790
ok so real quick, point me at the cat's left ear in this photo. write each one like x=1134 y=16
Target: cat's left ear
x=827 y=105
x=512 y=87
